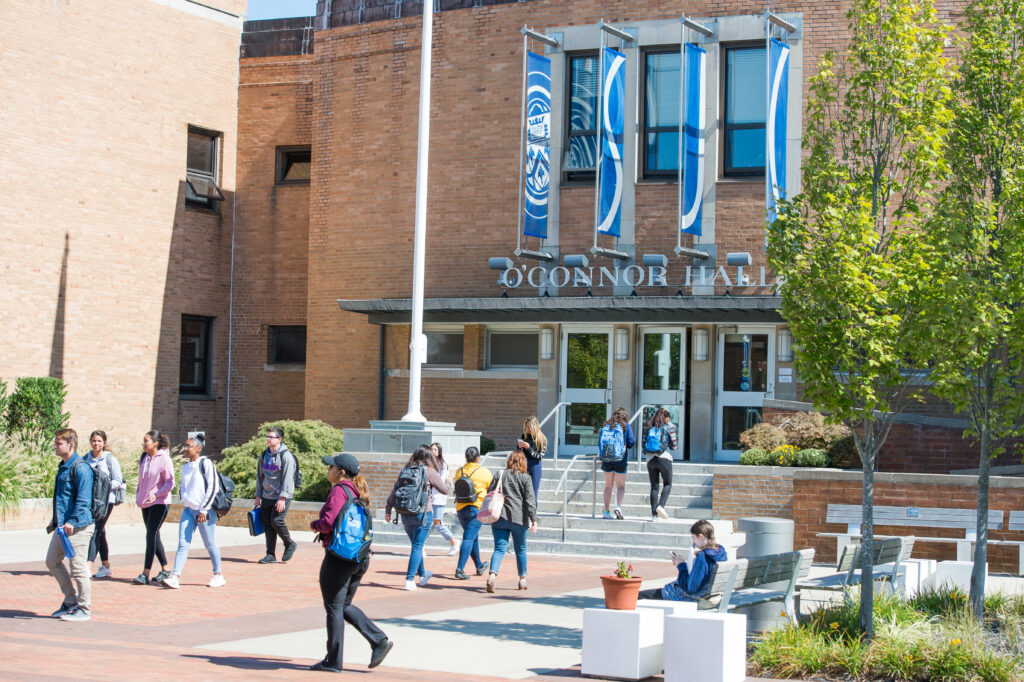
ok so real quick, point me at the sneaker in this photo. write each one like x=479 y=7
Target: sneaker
x=64 y=608
x=460 y=574
x=269 y=559
x=425 y=578
x=289 y=551
x=76 y=616
x=607 y=514
x=161 y=576
x=141 y=579
x=654 y=518
x=410 y=585
x=171 y=581
x=481 y=569
x=490 y=582
x=379 y=652
x=104 y=572
x=323 y=667
x=453 y=549
x=660 y=511
x=618 y=514
x=217 y=581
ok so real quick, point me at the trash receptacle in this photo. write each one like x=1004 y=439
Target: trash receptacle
x=765 y=535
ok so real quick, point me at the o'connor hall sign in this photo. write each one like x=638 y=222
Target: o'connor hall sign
x=541 y=277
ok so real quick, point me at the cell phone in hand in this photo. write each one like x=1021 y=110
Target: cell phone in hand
x=675 y=558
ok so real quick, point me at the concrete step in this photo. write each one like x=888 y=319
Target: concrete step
x=682 y=508
x=631 y=475
x=634 y=495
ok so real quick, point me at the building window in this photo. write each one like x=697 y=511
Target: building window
x=581 y=146
x=746 y=82
x=661 y=114
x=444 y=349
x=201 y=167
x=294 y=165
x=194 y=370
x=512 y=350
x=287 y=346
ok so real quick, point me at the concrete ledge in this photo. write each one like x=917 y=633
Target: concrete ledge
x=805 y=474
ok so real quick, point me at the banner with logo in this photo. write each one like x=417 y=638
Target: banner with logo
x=695 y=64
x=538 y=146
x=778 y=87
x=613 y=114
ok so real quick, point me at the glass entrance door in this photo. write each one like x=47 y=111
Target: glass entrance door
x=586 y=385
x=663 y=378
x=745 y=367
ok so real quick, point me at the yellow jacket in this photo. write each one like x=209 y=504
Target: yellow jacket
x=481 y=481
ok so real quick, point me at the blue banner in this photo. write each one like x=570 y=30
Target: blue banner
x=538 y=145
x=613 y=114
x=778 y=88
x=695 y=66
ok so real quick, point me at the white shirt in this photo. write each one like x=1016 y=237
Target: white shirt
x=196 y=495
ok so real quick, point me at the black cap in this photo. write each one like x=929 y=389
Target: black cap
x=344 y=461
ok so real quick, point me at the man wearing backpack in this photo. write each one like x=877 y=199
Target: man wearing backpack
x=616 y=437
x=71 y=523
x=471 y=484
x=276 y=473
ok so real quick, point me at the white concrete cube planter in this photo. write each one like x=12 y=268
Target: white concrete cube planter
x=955 y=574
x=710 y=647
x=624 y=645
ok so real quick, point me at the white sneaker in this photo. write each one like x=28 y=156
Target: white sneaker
x=660 y=511
x=453 y=549
x=425 y=579
x=171 y=581
x=217 y=581
x=104 y=572
x=410 y=584
x=653 y=519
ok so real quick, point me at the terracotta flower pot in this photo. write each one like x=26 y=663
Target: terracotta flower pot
x=620 y=593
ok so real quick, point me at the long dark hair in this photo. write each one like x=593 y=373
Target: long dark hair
x=422 y=455
x=440 y=455
x=619 y=417
x=362 y=487
x=660 y=417
x=160 y=438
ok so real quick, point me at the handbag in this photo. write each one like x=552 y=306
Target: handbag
x=255 y=522
x=494 y=502
x=119 y=496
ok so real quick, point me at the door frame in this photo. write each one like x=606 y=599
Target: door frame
x=680 y=398
x=739 y=398
x=585 y=395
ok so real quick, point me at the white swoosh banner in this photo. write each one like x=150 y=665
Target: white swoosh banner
x=693 y=170
x=775 y=139
x=613 y=114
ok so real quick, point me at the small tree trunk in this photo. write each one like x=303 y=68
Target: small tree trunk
x=977 y=597
x=867 y=534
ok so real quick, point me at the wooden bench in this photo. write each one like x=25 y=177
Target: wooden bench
x=888 y=555
x=913 y=517
x=747 y=582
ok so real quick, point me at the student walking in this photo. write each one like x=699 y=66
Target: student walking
x=410 y=498
x=534 y=443
x=71 y=524
x=518 y=515
x=615 y=472
x=275 y=488
x=439 y=500
x=659 y=441
x=153 y=496
x=694 y=577
x=199 y=485
x=471 y=483
x=339 y=578
x=100 y=458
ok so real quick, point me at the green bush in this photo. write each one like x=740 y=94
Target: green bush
x=755 y=457
x=763 y=436
x=842 y=454
x=811 y=457
x=810 y=430
x=308 y=440
x=36 y=408
x=486 y=445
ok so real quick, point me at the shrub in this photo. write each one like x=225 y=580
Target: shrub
x=763 y=436
x=810 y=430
x=486 y=445
x=308 y=440
x=843 y=454
x=784 y=456
x=811 y=458
x=10 y=484
x=756 y=457
x=36 y=408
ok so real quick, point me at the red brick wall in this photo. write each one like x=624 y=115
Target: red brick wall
x=743 y=493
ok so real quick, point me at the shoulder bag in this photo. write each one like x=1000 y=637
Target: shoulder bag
x=494 y=502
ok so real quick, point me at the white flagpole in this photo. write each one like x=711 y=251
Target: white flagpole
x=418 y=342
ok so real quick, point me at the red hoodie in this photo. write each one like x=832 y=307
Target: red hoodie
x=336 y=499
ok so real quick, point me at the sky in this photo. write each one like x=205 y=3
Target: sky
x=278 y=9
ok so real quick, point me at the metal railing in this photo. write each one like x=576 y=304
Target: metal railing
x=554 y=441
x=638 y=434
x=563 y=486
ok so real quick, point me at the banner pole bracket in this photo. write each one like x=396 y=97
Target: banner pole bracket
x=609 y=253
x=536 y=255
x=693 y=253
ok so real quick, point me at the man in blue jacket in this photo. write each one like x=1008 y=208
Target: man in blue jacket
x=72 y=515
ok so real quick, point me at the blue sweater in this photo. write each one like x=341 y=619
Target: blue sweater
x=692 y=585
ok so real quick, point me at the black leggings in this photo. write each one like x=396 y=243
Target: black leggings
x=98 y=544
x=650 y=594
x=154 y=517
x=659 y=467
x=339 y=580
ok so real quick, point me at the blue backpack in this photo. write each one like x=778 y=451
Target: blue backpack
x=353 y=531
x=655 y=440
x=612 y=444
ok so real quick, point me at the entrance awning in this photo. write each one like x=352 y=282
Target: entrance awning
x=667 y=309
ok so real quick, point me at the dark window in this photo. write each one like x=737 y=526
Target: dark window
x=661 y=114
x=287 y=346
x=293 y=165
x=444 y=349
x=194 y=372
x=201 y=166
x=581 y=144
x=746 y=82
x=512 y=349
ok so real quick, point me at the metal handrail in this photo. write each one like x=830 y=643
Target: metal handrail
x=552 y=412
x=503 y=455
x=637 y=433
x=554 y=444
x=563 y=486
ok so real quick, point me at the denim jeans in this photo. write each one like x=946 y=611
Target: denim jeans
x=444 y=530
x=470 y=536
x=186 y=528
x=501 y=529
x=417 y=528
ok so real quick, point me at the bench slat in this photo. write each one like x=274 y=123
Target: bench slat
x=927 y=517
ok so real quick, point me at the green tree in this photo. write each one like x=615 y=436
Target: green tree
x=977 y=237
x=846 y=246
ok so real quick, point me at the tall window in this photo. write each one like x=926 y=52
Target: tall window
x=512 y=350
x=661 y=114
x=294 y=165
x=287 y=345
x=746 y=83
x=444 y=349
x=581 y=145
x=194 y=367
x=201 y=168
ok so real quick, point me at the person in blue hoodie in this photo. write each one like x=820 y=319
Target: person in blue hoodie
x=692 y=583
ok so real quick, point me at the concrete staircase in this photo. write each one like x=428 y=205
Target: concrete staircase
x=636 y=537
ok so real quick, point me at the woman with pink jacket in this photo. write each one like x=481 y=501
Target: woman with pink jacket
x=153 y=495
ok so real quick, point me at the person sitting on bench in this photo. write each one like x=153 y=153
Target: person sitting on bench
x=694 y=578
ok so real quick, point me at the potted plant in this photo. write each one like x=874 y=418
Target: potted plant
x=622 y=588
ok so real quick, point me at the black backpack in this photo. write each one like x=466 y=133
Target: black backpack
x=465 y=488
x=100 y=491
x=412 y=496
x=225 y=490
